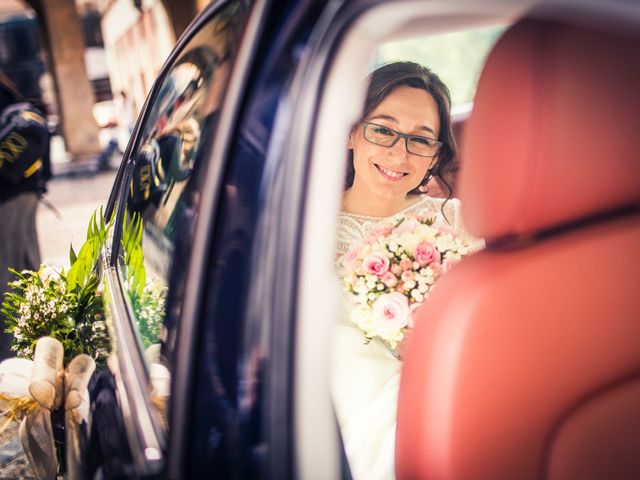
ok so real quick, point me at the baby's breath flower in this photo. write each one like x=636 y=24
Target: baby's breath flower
x=417 y=295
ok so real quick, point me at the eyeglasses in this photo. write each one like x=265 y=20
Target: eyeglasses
x=387 y=137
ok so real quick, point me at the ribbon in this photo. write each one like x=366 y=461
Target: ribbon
x=31 y=390
x=46 y=388
x=77 y=408
x=36 y=435
x=77 y=378
x=16 y=408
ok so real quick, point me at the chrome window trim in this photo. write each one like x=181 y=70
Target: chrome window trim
x=146 y=438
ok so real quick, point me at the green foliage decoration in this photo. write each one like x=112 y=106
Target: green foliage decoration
x=63 y=305
x=147 y=297
x=133 y=255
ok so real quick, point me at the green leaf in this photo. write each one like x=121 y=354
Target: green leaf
x=72 y=255
x=90 y=226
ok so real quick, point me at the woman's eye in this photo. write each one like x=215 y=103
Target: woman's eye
x=422 y=141
x=383 y=131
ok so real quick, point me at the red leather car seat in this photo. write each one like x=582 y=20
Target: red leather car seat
x=525 y=361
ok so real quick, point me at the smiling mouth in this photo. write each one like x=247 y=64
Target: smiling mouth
x=392 y=174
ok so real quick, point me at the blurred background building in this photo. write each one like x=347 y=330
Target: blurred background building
x=89 y=63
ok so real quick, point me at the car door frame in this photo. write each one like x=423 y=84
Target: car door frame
x=306 y=203
x=148 y=442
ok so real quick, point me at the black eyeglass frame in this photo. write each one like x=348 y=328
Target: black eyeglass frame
x=398 y=136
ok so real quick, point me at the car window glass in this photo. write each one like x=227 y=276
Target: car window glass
x=457 y=57
x=164 y=188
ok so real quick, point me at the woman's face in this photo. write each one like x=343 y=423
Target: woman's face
x=392 y=172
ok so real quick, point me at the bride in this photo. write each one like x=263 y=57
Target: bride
x=403 y=140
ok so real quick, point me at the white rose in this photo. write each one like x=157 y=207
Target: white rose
x=444 y=243
x=409 y=241
x=361 y=316
x=390 y=313
x=426 y=232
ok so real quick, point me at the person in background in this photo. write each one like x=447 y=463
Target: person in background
x=119 y=131
x=19 y=248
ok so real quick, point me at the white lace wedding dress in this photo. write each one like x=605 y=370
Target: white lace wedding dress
x=365 y=377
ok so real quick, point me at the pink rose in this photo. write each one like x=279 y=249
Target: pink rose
x=408 y=226
x=389 y=279
x=391 y=312
x=376 y=263
x=381 y=231
x=353 y=302
x=407 y=276
x=412 y=309
x=449 y=263
x=350 y=257
x=405 y=264
x=436 y=268
x=446 y=229
x=396 y=269
x=426 y=253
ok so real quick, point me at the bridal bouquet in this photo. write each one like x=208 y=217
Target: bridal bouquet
x=389 y=274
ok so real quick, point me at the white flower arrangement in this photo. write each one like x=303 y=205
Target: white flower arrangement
x=65 y=305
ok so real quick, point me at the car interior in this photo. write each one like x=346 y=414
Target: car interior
x=523 y=362
x=525 y=365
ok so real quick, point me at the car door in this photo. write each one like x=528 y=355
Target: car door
x=224 y=370
x=154 y=206
x=293 y=299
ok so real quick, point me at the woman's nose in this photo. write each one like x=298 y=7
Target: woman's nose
x=398 y=151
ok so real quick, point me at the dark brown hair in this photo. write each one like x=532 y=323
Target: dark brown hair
x=388 y=77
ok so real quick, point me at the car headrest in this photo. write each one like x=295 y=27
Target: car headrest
x=553 y=135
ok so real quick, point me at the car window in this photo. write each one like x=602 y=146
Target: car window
x=381 y=262
x=164 y=190
x=457 y=57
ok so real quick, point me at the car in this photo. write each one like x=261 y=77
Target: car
x=220 y=362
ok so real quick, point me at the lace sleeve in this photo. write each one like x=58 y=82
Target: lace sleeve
x=351 y=228
x=348 y=231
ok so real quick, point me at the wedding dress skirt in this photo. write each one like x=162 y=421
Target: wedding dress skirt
x=365 y=380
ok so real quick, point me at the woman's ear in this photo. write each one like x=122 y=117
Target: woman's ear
x=434 y=163
x=424 y=185
x=350 y=142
